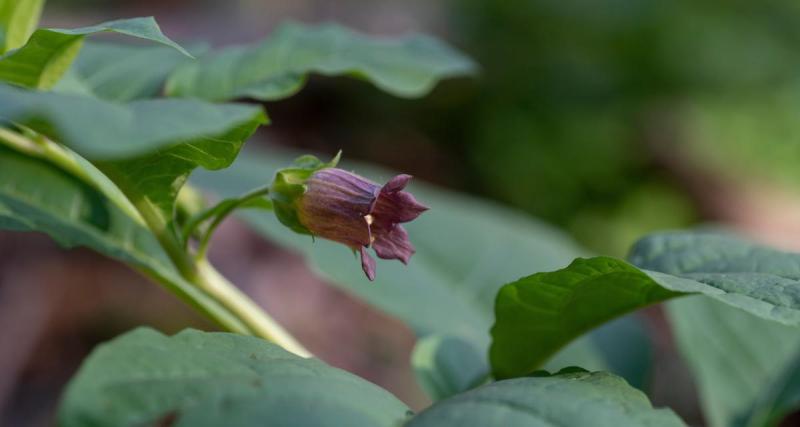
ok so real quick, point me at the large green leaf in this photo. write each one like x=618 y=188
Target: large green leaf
x=538 y=314
x=18 y=19
x=47 y=55
x=736 y=358
x=573 y=399
x=37 y=196
x=121 y=72
x=276 y=68
x=452 y=268
x=102 y=130
x=214 y=379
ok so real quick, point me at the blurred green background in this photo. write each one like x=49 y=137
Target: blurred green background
x=606 y=118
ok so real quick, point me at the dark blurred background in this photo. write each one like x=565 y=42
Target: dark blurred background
x=606 y=118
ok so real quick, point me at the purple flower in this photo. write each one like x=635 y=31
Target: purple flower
x=346 y=208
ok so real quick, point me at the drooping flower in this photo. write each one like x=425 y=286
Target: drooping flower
x=341 y=206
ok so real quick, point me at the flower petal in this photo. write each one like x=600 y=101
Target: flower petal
x=367 y=264
x=396 y=184
x=397 y=207
x=335 y=204
x=393 y=243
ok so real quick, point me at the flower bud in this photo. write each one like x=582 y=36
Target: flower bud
x=341 y=206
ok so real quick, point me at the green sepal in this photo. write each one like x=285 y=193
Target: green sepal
x=290 y=184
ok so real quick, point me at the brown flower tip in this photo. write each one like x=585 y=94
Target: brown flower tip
x=346 y=208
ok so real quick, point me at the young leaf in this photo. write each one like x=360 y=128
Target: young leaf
x=102 y=130
x=18 y=19
x=47 y=55
x=539 y=314
x=737 y=359
x=453 y=269
x=595 y=399
x=37 y=196
x=277 y=68
x=213 y=379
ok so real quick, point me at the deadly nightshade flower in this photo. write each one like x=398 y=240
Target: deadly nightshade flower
x=341 y=206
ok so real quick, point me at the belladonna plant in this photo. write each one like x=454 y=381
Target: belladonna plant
x=90 y=169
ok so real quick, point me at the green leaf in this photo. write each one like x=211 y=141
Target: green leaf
x=102 y=130
x=453 y=269
x=736 y=358
x=37 y=196
x=47 y=55
x=154 y=180
x=277 y=68
x=123 y=73
x=18 y=19
x=595 y=399
x=539 y=314
x=214 y=379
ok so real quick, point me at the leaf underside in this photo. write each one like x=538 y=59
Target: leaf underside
x=277 y=68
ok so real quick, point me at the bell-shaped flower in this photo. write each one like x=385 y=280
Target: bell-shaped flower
x=341 y=206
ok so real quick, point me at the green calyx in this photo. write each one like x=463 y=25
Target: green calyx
x=290 y=184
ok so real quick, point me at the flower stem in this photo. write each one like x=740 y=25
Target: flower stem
x=219 y=212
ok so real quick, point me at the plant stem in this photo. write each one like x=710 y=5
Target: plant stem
x=262 y=325
x=199 y=300
x=203 y=275
x=214 y=295
x=206 y=278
